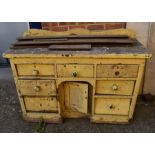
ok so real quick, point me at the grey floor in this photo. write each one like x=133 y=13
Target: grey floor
x=11 y=118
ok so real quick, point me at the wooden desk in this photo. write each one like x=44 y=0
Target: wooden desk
x=102 y=83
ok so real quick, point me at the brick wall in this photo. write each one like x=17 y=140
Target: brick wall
x=64 y=26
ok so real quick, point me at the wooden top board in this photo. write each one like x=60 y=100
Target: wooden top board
x=109 y=50
x=70 y=47
x=77 y=46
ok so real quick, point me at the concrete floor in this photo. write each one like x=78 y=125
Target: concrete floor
x=11 y=118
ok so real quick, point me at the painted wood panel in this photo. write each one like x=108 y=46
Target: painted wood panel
x=35 y=70
x=118 y=71
x=41 y=104
x=69 y=70
x=76 y=96
x=114 y=87
x=37 y=87
x=116 y=106
x=79 y=102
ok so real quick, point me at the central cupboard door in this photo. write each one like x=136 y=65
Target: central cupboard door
x=76 y=96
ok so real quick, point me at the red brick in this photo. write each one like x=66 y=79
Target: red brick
x=114 y=26
x=61 y=28
x=45 y=24
x=90 y=25
x=124 y=25
x=73 y=27
x=46 y=28
x=100 y=22
x=85 y=23
x=67 y=23
x=95 y=27
x=52 y=24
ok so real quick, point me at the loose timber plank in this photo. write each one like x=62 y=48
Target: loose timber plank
x=70 y=47
x=72 y=36
x=71 y=41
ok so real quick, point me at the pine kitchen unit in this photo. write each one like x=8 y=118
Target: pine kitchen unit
x=101 y=83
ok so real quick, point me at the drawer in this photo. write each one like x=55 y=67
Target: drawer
x=116 y=106
x=69 y=70
x=41 y=104
x=37 y=87
x=112 y=71
x=115 y=87
x=35 y=70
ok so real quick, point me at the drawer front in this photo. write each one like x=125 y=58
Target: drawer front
x=37 y=87
x=115 y=87
x=41 y=104
x=114 y=71
x=115 y=106
x=68 y=70
x=35 y=70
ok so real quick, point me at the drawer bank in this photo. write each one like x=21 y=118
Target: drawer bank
x=101 y=83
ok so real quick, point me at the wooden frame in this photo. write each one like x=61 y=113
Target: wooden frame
x=114 y=59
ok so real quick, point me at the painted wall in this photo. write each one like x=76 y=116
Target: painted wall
x=143 y=33
x=149 y=84
x=9 y=31
x=142 y=30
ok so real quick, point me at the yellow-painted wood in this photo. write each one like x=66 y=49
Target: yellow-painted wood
x=109 y=98
x=41 y=104
x=118 y=71
x=116 y=106
x=111 y=56
x=47 y=117
x=35 y=70
x=137 y=89
x=107 y=60
x=15 y=79
x=114 y=87
x=37 y=87
x=114 y=119
x=68 y=70
x=76 y=96
x=112 y=96
x=73 y=114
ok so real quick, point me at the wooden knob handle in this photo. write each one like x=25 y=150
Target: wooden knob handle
x=115 y=87
x=74 y=74
x=36 y=88
x=35 y=72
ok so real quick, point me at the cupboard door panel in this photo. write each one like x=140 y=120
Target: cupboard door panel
x=76 y=96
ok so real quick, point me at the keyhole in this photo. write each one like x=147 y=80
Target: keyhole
x=117 y=73
x=111 y=107
x=40 y=105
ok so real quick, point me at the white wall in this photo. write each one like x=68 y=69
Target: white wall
x=146 y=35
x=9 y=31
x=142 y=30
x=149 y=84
